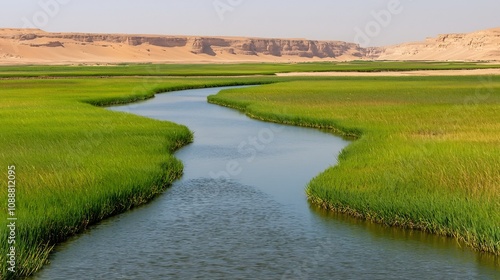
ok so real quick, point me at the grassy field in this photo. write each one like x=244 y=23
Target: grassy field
x=427 y=154
x=75 y=163
x=228 y=69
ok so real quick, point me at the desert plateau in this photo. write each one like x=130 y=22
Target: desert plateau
x=34 y=46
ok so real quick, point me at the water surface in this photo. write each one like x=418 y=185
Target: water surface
x=240 y=212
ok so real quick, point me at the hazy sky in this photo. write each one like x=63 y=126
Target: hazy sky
x=369 y=22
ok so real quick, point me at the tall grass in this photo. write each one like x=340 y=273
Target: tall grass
x=78 y=164
x=427 y=154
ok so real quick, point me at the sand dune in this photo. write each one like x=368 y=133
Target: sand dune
x=33 y=46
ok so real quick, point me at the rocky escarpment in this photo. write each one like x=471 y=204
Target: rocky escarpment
x=210 y=46
x=36 y=46
x=481 y=45
x=276 y=47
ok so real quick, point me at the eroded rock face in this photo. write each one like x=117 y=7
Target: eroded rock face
x=25 y=37
x=482 y=45
x=275 y=47
x=53 y=44
x=167 y=42
x=14 y=43
x=198 y=45
x=201 y=46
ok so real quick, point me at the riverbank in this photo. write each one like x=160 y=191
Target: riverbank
x=426 y=157
x=205 y=227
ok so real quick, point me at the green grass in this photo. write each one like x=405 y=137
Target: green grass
x=76 y=163
x=228 y=69
x=424 y=158
x=427 y=154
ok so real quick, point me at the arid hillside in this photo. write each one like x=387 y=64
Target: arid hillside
x=481 y=45
x=33 y=46
x=36 y=46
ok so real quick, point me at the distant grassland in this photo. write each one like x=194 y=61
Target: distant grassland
x=229 y=69
x=428 y=153
x=77 y=164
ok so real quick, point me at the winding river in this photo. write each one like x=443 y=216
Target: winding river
x=240 y=212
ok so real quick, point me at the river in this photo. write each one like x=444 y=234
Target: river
x=240 y=212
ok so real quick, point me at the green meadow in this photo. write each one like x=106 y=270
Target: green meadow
x=426 y=154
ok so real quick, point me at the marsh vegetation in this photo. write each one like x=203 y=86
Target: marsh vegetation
x=426 y=157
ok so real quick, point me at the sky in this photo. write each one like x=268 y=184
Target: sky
x=367 y=22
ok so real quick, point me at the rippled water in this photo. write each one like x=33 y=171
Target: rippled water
x=240 y=212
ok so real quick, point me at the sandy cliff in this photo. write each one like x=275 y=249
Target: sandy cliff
x=36 y=46
x=481 y=45
x=33 y=46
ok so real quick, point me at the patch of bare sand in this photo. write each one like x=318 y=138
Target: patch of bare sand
x=396 y=74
